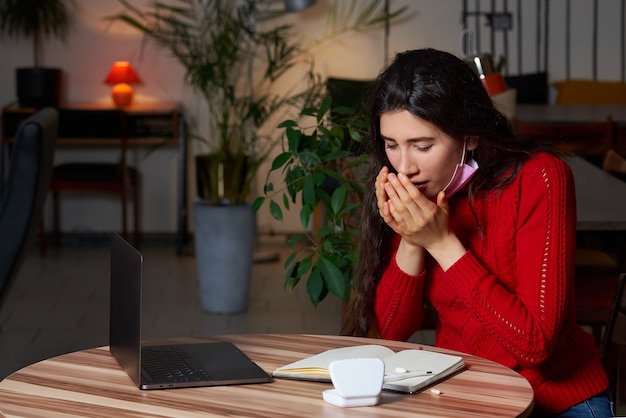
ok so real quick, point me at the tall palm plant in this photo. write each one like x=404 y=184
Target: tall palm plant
x=37 y=19
x=236 y=56
x=232 y=62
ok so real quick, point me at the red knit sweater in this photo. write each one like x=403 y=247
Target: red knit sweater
x=510 y=297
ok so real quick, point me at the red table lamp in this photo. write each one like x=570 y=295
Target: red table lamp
x=121 y=76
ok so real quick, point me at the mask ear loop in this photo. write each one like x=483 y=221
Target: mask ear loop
x=464 y=151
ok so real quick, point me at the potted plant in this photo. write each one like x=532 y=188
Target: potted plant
x=234 y=57
x=321 y=166
x=232 y=62
x=37 y=86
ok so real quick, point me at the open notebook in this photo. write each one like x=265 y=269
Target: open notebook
x=405 y=371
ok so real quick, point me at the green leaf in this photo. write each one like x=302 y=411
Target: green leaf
x=305 y=215
x=291 y=279
x=344 y=110
x=338 y=199
x=337 y=155
x=310 y=159
x=319 y=177
x=290 y=260
x=325 y=232
x=315 y=287
x=325 y=107
x=304 y=266
x=328 y=133
x=327 y=246
x=280 y=160
x=258 y=202
x=294 y=240
x=287 y=124
x=293 y=139
x=309 y=111
x=308 y=192
x=355 y=135
x=334 y=279
x=275 y=211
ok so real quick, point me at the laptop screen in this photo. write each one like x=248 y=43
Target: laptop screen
x=125 y=315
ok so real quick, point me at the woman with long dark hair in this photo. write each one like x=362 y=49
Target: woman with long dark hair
x=463 y=215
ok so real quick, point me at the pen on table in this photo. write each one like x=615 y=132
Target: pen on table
x=393 y=377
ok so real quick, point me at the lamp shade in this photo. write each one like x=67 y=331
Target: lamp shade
x=122 y=72
x=121 y=76
x=298 y=5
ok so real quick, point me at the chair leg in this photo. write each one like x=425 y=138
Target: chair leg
x=124 y=214
x=136 y=213
x=42 y=239
x=56 y=218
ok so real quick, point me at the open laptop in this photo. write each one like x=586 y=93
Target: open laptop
x=152 y=367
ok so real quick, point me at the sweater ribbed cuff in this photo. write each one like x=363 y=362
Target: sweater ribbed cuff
x=464 y=274
x=405 y=283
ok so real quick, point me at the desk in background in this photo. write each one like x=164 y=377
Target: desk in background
x=570 y=113
x=90 y=382
x=148 y=124
x=600 y=197
x=578 y=113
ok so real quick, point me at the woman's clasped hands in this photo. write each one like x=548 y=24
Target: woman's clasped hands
x=409 y=212
x=420 y=222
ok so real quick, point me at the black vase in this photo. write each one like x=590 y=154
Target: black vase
x=38 y=87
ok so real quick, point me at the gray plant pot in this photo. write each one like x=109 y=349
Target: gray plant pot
x=224 y=243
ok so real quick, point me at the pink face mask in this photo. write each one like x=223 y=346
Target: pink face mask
x=462 y=174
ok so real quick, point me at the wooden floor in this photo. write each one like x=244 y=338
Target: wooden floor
x=60 y=303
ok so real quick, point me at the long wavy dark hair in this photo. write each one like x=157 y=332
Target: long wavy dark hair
x=441 y=89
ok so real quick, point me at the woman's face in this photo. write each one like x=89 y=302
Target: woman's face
x=422 y=152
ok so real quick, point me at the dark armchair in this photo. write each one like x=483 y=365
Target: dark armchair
x=24 y=191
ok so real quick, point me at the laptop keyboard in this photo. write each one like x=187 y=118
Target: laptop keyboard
x=169 y=364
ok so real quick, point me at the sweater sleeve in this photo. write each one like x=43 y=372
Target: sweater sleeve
x=525 y=319
x=399 y=302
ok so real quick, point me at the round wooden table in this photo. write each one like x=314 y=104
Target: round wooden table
x=90 y=383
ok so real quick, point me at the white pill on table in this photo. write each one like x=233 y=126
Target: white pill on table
x=400 y=370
